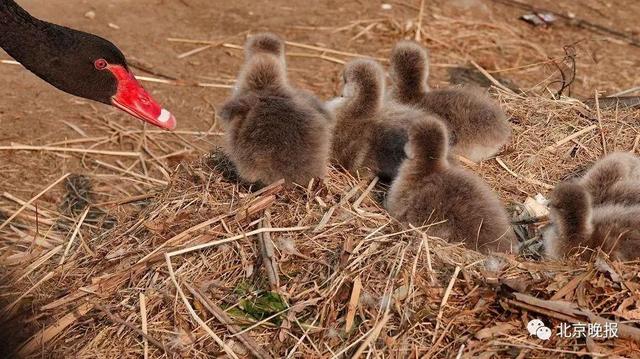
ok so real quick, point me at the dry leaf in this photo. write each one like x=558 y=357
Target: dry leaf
x=494 y=331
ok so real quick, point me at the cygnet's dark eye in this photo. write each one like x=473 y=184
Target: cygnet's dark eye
x=100 y=64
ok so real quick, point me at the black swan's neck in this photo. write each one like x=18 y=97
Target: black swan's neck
x=32 y=42
x=12 y=14
x=19 y=30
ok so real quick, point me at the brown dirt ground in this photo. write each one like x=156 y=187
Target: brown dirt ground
x=31 y=111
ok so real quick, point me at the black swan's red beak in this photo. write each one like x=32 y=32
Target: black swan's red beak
x=133 y=99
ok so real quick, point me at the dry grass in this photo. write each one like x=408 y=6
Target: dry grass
x=161 y=256
x=342 y=262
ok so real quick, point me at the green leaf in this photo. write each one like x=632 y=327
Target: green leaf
x=264 y=306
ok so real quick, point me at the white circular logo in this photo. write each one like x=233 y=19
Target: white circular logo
x=543 y=333
x=533 y=326
x=536 y=327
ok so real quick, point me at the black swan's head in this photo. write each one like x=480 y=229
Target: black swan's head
x=78 y=63
x=95 y=69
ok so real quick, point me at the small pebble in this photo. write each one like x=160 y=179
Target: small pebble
x=114 y=26
x=90 y=14
x=386 y=7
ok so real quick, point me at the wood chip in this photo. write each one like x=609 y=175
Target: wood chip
x=353 y=304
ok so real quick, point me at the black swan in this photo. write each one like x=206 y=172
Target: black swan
x=78 y=63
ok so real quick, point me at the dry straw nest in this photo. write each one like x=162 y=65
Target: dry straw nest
x=205 y=266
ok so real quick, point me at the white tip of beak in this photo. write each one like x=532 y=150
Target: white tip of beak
x=164 y=116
